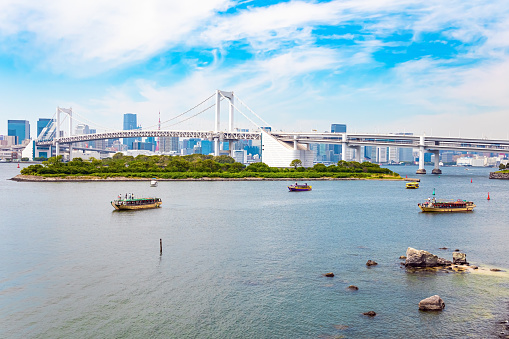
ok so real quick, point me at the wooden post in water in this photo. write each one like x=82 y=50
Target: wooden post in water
x=160 y=246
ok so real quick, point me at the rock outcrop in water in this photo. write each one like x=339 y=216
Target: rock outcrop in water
x=371 y=263
x=434 y=303
x=459 y=258
x=370 y=313
x=420 y=258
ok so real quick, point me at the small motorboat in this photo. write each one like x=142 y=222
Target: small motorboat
x=412 y=185
x=299 y=188
x=153 y=183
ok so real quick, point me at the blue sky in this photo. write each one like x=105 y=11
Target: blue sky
x=435 y=67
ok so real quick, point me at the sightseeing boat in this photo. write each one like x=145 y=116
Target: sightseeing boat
x=433 y=205
x=412 y=185
x=299 y=188
x=136 y=203
x=153 y=183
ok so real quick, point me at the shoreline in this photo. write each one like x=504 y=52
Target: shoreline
x=35 y=178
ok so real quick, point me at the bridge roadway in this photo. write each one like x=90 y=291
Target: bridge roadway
x=347 y=140
x=152 y=133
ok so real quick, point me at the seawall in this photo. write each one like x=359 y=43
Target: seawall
x=497 y=175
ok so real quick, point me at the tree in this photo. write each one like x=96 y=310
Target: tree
x=296 y=163
x=502 y=167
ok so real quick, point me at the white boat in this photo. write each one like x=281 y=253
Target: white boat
x=153 y=183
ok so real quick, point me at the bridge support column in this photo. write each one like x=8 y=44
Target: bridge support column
x=57 y=149
x=358 y=150
x=344 y=148
x=70 y=151
x=421 y=169
x=295 y=144
x=216 y=147
x=436 y=169
x=230 y=147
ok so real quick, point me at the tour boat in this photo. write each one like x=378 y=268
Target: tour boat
x=299 y=188
x=412 y=185
x=433 y=205
x=136 y=203
x=153 y=183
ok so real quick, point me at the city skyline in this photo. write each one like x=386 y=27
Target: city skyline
x=377 y=66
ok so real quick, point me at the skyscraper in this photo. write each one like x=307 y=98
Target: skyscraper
x=337 y=128
x=130 y=124
x=18 y=128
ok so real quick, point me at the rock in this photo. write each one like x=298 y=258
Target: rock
x=459 y=258
x=456 y=250
x=371 y=263
x=443 y=262
x=330 y=274
x=443 y=248
x=420 y=258
x=434 y=303
x=495 y=270
x=474 y=267
x=402 y=257
x=370 y=313
x=353 y=287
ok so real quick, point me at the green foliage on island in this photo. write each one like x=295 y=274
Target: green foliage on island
x=197 y=166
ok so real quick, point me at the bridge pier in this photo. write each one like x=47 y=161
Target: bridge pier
x=358 y=150
x=216 y=146
x=421 y=169
x=436 y=169
x=344 y=148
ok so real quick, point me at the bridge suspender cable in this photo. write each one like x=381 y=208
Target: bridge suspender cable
x=241 y=112
x=192 y=115
x=265 y=122
x=181 y=114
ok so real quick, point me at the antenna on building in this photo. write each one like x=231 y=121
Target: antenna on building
x=158 y=128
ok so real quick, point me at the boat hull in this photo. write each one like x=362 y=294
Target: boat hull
x=299 y=189
x=119 y=207
x=447 y=209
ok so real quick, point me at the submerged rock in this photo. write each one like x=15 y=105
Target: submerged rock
x=420 y=258
x=353 y=287
x=495 y=269
x=443 y=248
x=370 y=313
x=402 y=257
x=330 y=274
x=434 y=303
x=459 y=258
x=371 y=263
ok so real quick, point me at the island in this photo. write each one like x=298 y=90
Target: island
x=193 y=167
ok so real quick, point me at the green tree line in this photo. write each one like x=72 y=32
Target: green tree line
x=196 y=166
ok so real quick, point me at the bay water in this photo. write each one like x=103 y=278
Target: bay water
x=245 y=259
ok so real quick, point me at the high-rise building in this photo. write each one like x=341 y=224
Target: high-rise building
x=18 y=128
x=41 y=123
x=130 y=124
x=337 y=128
x=169 y=144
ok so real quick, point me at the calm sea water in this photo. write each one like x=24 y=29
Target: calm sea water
x=245 y=259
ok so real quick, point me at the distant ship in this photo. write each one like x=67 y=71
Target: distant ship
x=136 y=204
x=299 y=188
x=412 y=185
x=153 y=183
x=433 y=205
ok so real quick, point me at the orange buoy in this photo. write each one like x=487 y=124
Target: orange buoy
x=489 y=196
x=470 y=180
x=18 y=165
x=406 y=176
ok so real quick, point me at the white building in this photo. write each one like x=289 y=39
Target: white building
x=276 y=153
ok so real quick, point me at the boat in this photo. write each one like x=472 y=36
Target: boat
x=412 y=185
x=433 y=205
x=136 y=203
x=299 y=188
x=153 y=183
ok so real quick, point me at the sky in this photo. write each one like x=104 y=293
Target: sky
x=429 y=67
